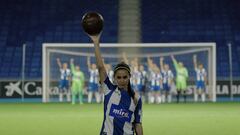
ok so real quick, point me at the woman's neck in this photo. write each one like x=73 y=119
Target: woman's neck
x=123 y=88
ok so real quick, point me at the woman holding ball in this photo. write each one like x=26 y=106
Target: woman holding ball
x=122 y=107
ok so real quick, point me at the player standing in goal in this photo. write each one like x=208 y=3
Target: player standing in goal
x=122 y=107
x=181 y=79
x=77 y=83
x=201 y=76
x=156 y=82
x=64 y=81
x=93 y=82
x=167 y=80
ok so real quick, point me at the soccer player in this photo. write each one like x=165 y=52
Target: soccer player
x=167 y=80
x=77 y=82
x=141 y=76
x=93 y=82
x=201 y=75
x=181 y=79
x=156 y=81
x=64 y=80
x=122 y=107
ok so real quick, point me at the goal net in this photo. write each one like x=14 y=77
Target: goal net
x=113 y=53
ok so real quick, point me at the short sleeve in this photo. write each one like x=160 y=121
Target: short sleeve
x=138 y=112
x=108 y=86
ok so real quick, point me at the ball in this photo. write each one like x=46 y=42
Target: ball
x=92 y=23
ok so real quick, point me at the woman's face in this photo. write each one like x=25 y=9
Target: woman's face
x=77 y=68
x=122 y=78
x=65 y=66
x=181 y=64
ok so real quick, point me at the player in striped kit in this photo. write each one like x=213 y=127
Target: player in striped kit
x=93 y=82
x=64 y=80
x=140 y=80
x=156 y=81
x=122 y=107
x=201 y=80
x=167 y=80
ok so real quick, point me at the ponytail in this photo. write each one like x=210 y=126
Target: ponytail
x=132 y=93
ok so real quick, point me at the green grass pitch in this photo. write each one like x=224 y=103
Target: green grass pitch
x=162 y=119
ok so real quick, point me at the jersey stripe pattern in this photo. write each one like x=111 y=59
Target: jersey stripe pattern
x=120 y=111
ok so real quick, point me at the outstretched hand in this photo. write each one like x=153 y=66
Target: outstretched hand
x=161 y=58
x=72 y=60
x=95 y=38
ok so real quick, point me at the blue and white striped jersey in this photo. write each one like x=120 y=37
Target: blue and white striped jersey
x=94 y=75
x=120 y=111
x=201 y=73
x=65 y=74
x=167 y=76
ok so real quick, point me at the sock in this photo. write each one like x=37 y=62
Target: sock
x=80 y=95
x=73 y=98
x=203 y=97
x=169 y=98
x=60 y=97
x=90 y=97
x=195 y=97
x=163 y=98
x=178 y=95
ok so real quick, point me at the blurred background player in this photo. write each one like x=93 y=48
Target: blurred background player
x=109 y=71
x=201 y=80
x=93 y=82
x=110 y=74
x=167 y=76
x=181 y=79
x=78 y=81
x=134 y=69
x=141 y=81
x=64 y=80
x=156 y=81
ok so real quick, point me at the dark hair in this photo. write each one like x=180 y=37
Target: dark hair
x=123 y=65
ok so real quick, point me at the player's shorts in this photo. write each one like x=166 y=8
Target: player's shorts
x=166 y=87
x=63 y=85
x=181 y=85
x=155 y=88
x=200 y=85
x=93 y=87
x=77 y=87
x=139 y=88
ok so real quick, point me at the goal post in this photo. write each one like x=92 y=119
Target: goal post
x=112 y=52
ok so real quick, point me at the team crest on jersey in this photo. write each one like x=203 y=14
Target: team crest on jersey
x=122 y=114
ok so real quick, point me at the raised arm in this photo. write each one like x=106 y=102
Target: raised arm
x=88 y=62
x=124 y=58
x=173 y=58
x=195 y=61
x=150 y=63
x=175 y=63
x=100 y=64
x=161 y=63
x=59 y=63
x=72 y=65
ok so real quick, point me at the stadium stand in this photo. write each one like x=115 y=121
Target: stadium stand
x=37 y=22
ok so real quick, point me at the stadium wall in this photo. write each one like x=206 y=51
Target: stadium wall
x=33 y=89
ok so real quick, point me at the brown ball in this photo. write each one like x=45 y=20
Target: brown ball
x=92 y=23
